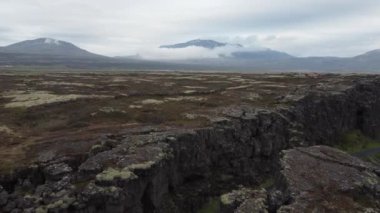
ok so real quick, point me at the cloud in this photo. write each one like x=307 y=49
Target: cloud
x=192 y=52
x=127 y=27
x=178 y=54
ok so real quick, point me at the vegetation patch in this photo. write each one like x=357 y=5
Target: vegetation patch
x=151 y=101
x=110 y=174
x=7 y=130
x=361 y=146
x=267 y=183
x=355 y=141
x=63 y=203
x=186 y=98
x=226 y=199
x=212 y=206
x=36 y=98
x=58 y=83
x=141 y=166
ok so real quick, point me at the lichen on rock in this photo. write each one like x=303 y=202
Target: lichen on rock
x=110 y=174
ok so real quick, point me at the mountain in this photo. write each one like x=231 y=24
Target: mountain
x=49 y=52
x=371 y=55
x=209 y=44
x=246 y=59
x=241 y=53
x=274 y=61
x=47 y=46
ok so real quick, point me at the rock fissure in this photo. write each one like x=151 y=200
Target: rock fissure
x=182 y=169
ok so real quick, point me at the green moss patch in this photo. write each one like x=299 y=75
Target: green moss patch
x=355 y=141
x=267 y=183
x=213 y=206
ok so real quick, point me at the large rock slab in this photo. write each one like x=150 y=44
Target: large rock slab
x=324 y=179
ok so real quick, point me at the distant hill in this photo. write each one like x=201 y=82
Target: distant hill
x=47 y=46
x=371 y=55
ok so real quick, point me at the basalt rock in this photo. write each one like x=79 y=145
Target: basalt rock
x=179 y=170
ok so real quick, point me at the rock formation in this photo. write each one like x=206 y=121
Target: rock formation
x=323 y=179
x=179 y=170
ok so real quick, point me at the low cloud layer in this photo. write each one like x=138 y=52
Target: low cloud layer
x=192 y=52
x=178 y=54
x=126 y=27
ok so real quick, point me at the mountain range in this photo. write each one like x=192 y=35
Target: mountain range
x=52 y=52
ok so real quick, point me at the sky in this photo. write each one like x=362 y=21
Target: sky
x=129 y=27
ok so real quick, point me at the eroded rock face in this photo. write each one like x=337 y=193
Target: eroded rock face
x=323 y=179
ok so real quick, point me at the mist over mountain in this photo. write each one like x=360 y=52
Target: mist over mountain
x=209 y=44
x=262 y=54
x=226 y=50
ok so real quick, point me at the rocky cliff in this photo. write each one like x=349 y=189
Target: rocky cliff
x=180 y=170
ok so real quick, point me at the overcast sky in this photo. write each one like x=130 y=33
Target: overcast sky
x=128 y=27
